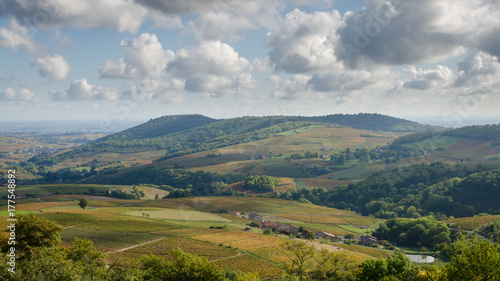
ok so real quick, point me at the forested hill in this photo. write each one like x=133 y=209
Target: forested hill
x=484 y=132
x=168 y=125
x=375 y=122
x=185 y=134
x=161 y=126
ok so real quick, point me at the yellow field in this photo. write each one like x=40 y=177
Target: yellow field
x=260 y=241
x=470 y=223
x=224 y=237
x=376 y=253
x=189 y=232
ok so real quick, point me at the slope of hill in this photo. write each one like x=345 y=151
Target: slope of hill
x=185 y=134
x=375 y=122
x=161 y=126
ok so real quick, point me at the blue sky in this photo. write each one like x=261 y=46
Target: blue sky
x=141 y=59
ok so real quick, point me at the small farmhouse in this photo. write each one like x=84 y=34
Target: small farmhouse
x=368 y=240
x=255 y=217
x=325 y=235
x=269 y=225
x=288 y=228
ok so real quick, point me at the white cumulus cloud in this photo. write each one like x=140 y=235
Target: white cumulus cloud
x=428 y=78
x=54 y=68
x=81 y=90
x=24 y=95
x=207 y=57
x=144 y=58
x=304 y=42
x=16 y=37
x=151 y=89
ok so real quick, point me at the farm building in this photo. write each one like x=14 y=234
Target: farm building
x=255 y=217
x=233 y=213
x=368 y=240
x=325 y=235
x=288 y=228
x=269 y=225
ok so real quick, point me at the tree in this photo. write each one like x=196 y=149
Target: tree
x=261 y=183
x=334 y=266
x=157 y=197
x=84 y=252
x=33 y=231
x=341 y=159
x=184 y=267
x=473 y=259
x=300 y=253
x=83 y=203
x=396 y=267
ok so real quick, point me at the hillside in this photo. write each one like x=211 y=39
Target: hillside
x=185 y=134
x=161 y=126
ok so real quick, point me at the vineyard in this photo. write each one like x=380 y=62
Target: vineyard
x=471 y=223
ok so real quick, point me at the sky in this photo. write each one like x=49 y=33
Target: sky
x=434 y=60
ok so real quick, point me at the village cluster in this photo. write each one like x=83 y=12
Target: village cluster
x=289 y=229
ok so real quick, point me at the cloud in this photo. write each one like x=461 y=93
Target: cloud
x=52 y=14
x=81 y=90
x=304 y=42
x=144 y=58
x=397 y=32
x=16 y=37
x=24 y=95
x=179 y=7
x=54 y=68
x=207 y=57
x=346 y=80
x=219 y=25
x=429 y=78
x=155 y=90
x=292 y=89
x=478 y=69
x=218 y=86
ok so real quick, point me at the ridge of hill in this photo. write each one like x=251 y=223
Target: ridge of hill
x=186 y=134
x=161 y=126
x=481 y=132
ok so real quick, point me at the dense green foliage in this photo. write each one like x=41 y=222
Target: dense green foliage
x=184 y=267
x=161 y=126
x=485 y=132
x=425 y=232
x=473 y=259
x=414 y=138
x=199 y=183
x=414 y=191
x=375 y=122
x=33 y=231
x=261 y=183
x=83 y=203
x=396 y=267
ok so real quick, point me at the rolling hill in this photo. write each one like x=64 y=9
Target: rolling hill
x=185 y=134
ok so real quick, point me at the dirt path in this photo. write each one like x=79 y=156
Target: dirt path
x=133 y=246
